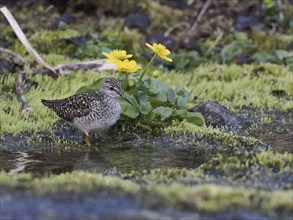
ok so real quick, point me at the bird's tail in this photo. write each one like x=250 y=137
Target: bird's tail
x=49 y=103
x=45 y=102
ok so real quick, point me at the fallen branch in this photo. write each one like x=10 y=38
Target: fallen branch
x=8 y=55
x=25 y=110
x=64 y=69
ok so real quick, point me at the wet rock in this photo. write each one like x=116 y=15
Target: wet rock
x=247 y=22
x=67 y=17
x=138 y=20
x=242 y=59
x=279 y=93
x=79 y=40
x=4 y=43
x=217 y=115
x=6 y=67
x=30 y=84
x=175 y=4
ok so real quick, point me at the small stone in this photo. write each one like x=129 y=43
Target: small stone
x=217 y=115
x=138 y=20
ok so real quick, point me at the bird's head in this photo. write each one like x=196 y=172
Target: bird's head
x=112 y=87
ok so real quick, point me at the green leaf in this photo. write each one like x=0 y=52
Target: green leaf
x=98 y=83
x=236 y=47
x=181 y=91
x=185 y=60
x=262 y=57
x=171 y=95
x=159 y=98
x=181 y=113
x=145 y=108
x=87 y=89
x=195 y=117
x=130 y=111
x=163 y=112
x=153 y=89
x=157 y=86
x=92 y=88
x=182 y=101
x=142 y=97
x=283 y=54
x=182 y=96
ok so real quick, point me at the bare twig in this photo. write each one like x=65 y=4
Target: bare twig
x=8 y=55
x=195 y=25
x=171 y=29
x=25 y=110
x=215 y=43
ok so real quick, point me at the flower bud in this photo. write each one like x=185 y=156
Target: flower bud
x=156 y=74
x=130 y=83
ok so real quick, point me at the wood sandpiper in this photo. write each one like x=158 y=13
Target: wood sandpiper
x=91 y=111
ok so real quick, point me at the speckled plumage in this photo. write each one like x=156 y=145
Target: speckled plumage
x=90 y=111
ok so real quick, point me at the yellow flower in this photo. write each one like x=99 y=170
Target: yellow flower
x=126 y=66
x=160 y=50
x=117 y=55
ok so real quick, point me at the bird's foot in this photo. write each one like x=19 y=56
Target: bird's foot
x=86 y=140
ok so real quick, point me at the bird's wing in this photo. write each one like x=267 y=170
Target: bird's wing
x=72 y=107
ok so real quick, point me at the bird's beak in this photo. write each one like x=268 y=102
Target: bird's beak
x=123 y=96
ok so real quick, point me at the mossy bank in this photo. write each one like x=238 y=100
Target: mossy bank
x=233 y=86
x=198 y=191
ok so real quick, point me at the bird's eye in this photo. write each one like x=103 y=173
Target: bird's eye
x=112 y=88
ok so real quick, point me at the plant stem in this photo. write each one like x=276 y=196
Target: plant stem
x=126 y=77
x=147 y=67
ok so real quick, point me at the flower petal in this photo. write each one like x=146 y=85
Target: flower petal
x=149 y=46
x=106 y=54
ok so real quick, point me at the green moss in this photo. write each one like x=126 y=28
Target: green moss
x=215 y=186
x=231 y=85
x=165 y=175
x=48 y=41
x=202 y=197
x=215 y=198
x=79 y=182
x=18 y=180
x=269 y=43
x=237 y=86
x=129 y=39
x=48 y=88
x=266 y=162
x=247 y=169
x=266 y=120
x=215 y=134
x=274 y=160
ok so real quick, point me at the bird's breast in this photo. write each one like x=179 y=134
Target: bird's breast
x=102 y=116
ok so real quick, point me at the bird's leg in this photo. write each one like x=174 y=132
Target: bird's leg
x=86 y=139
